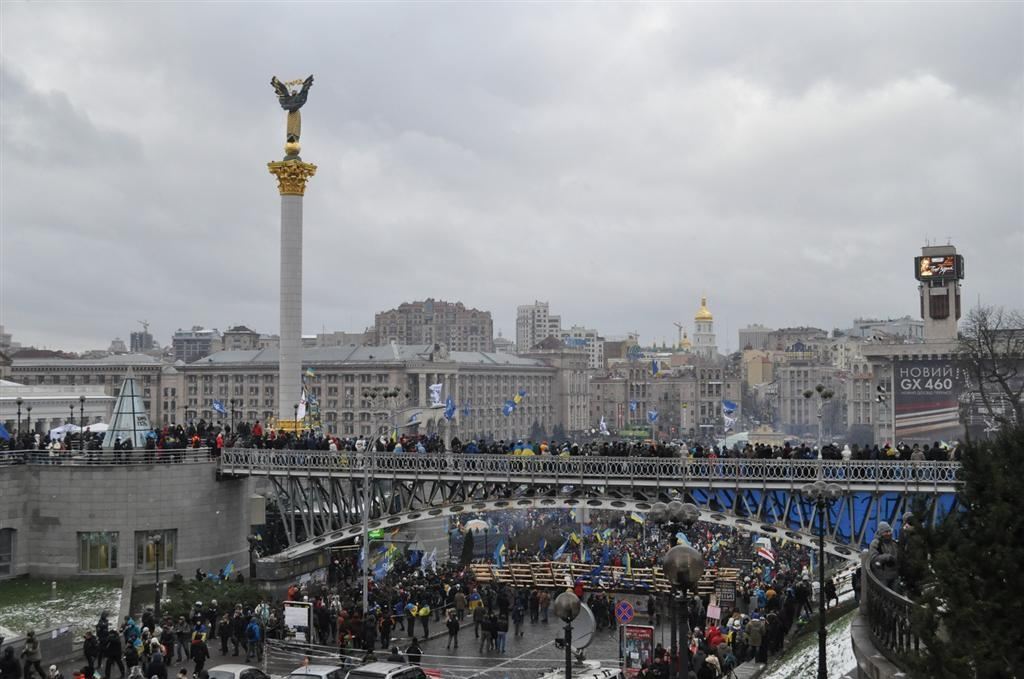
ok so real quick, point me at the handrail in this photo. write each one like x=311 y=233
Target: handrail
x=889 y=619
x=95 y=458
x=569 y=468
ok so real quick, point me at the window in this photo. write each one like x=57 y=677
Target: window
x=6 y=551
x=97 y=551
x=146 y=549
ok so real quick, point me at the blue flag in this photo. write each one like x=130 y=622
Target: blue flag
x=560 y=551
x=219 y=407
x=449 y=408
x=728 y=407
x=606 y=555
x=499 y=554
x=4 y=434
x=541 y=545
x=507 y=409
x=654 y=366
x=632 y=406
x=465 y=408
x=652 y=416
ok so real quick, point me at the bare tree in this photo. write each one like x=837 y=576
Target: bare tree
x=992 y=353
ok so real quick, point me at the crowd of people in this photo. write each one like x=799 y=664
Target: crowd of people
x=217 y=436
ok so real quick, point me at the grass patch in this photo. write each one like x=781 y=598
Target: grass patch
x=29 y=603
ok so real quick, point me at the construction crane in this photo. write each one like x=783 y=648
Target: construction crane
x=680 y=326
x=145 y=326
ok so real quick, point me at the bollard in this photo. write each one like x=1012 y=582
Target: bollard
x=53 y=589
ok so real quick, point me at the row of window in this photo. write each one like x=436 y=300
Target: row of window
x=99 y=550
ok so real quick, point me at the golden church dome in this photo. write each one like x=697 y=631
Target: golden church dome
x=685 y=342
x=703 y=314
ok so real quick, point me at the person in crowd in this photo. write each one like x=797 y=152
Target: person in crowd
x=414 y=652
x=453 y=626
x=32 y=656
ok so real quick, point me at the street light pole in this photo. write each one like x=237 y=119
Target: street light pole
x=28 y=422
x=824 y=395
x=19 y=401
x=567 y=607
x=822 y=494
x=683 y=566
x=81 y=414
x=158 y=541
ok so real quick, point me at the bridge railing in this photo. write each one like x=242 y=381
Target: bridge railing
x=567 y=469
x=890 y=620
x=105 y=457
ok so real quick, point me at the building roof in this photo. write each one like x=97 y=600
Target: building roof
x=392 y=353
x=120 y=359
x=703 y=314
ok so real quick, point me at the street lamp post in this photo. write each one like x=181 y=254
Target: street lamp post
x=295 y=419
x=232 y=402
x=158 y=542
x=822 y=494
x=28 y=421
x=567 y=607
x=81 y=418
x=824 y=396
x=19 y=401
x=683 y=565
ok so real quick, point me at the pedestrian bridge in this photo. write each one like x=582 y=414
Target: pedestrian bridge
x=321 y=494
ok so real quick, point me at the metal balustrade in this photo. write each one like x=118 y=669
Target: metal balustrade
x=93 y=458
x=889 y=619
x=592 y=470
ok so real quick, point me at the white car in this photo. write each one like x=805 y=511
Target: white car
x=387 y=670
x=236 y=672
x=318 y=672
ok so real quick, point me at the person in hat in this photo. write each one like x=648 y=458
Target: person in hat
x=882 y=554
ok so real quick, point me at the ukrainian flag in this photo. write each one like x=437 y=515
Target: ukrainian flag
x=637 y=516
x=627 y=561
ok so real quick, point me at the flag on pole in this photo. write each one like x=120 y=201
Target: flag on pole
x=499 y=555
x=300 y=414
x=575 y=538
x=465 y=408
x=310 y=373
x=632 y=406
x=654 y=366
x=507 y=409
x=652 y=416
x=637 y=516
x=604 y=427
x=560 y=551
x=627 y=561
x=728 y=407
x=766 y=554
x=435 y=394
x=730 y=422
x=219 y=407
x=449 y=408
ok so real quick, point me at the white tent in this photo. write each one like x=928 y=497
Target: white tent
x=97 y=427
x=58 y=433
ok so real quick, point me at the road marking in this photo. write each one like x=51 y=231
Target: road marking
x=511 y=660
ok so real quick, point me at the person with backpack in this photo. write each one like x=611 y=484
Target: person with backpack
x=254 y=640
x=453 y=627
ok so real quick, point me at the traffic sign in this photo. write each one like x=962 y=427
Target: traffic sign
x=624 y=612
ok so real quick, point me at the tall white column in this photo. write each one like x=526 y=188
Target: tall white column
x=291 y=177
x=290 y=352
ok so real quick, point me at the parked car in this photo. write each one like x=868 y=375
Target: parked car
x=318 y=672
x=233 y=671
x=387 y=670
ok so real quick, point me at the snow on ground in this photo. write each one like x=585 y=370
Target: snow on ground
x=79 y=610
x=838 y=650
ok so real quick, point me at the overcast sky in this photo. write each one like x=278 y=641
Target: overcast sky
x=617 y=160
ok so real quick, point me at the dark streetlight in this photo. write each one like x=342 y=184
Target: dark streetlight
x=19 y=401
x=295 y=419
x=822 y=494
x=28 y=421
x=81 y=418
x=71 y=415
x=232 y=415
x=683 y=565
x=254 y=542
x=567 y=607
x=824 y=396
x=158 y=542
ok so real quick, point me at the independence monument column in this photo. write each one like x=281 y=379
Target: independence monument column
x=292 y=175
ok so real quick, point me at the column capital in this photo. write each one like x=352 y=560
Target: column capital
x=291 y=176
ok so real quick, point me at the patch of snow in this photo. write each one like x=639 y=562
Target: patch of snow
x=838 y=655
x=79 y=611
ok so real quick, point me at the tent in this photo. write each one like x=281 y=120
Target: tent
x=58 y=433
x=97 y=427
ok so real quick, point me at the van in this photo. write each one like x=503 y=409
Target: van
x=387 y=670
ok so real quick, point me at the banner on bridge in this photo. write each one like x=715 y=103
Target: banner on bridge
x=927 y=396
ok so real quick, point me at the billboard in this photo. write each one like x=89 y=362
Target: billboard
x=636 y=648
x=939 y=268
x=926 y=400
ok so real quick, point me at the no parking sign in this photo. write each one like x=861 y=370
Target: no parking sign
x=624 y=612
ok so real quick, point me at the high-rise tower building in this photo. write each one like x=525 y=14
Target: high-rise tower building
x=939 y=271
x=534 y=324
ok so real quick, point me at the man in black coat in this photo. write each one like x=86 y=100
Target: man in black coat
x=112 y=652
